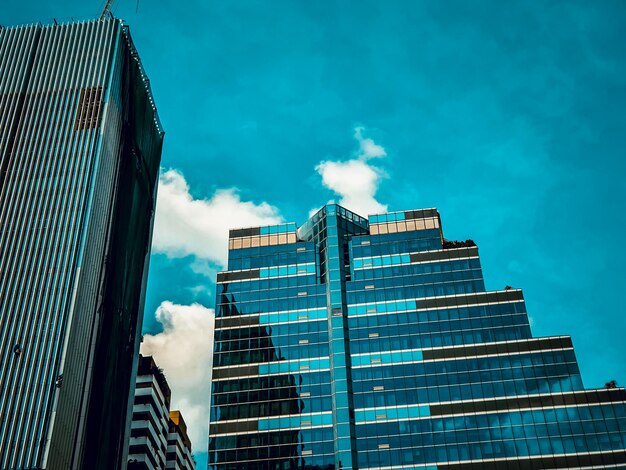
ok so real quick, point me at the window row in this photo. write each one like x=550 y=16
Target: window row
x=492 y=449
x=488 y=389
x=270 y=381
x=448 y=338
x=269 y=335
x=545 y=363
x=263 y=283
x=315 y=384
x=396 y=244
x=246 y=357
x=431 y=430
x=273 y=408
x=388 y=270
x=233 y=294
x=424 y=316
x=274 y=255
x=384 y=286
x=273 y=457
x=267 y=395
x=381 y=328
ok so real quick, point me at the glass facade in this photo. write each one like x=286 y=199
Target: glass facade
x=352 y=343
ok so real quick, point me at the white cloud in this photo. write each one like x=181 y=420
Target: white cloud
x=367 y=147
x=184 y=350
x=356 y=180
x=187 y=226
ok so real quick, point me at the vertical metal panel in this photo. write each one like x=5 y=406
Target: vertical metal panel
x=78 y=357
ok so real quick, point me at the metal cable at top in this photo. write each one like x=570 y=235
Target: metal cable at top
x=106 y=9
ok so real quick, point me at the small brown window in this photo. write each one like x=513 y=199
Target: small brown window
x=89 y=105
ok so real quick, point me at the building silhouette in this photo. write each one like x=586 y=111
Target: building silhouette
x=353 y=343
x=80 y=146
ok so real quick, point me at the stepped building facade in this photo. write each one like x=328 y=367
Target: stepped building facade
x=372 y=344
x=158 y=438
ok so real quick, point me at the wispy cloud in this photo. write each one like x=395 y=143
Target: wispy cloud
x=188 y=226
x=184 y=350
x=367 y=147
x=356 y=180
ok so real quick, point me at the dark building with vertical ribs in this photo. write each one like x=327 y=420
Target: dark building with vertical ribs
x=372 y=344
x=80 y=146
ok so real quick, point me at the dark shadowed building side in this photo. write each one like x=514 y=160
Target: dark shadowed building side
x=80 y=146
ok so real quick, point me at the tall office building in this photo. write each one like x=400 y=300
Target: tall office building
x=350 y=343
x=80 y=145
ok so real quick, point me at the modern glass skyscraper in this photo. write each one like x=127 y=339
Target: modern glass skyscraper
x=350 y=343
x=80 y=146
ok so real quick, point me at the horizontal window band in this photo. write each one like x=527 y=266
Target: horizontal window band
x=587 y=397
x=296 y=422
x=327 y=439
x=236 y=321
x=289 y=227
x=237 y=427
x=270 y=374
x=404 y=356
x=420 y=214
x=289 y=270
x=366 y=416
x=262 y=240
x=386 y=358
x=271 y=318
x=521 y=346
x=444 y=255
x=386 y=261
x=391 y=413
x=272 y=368
x=258 y=400
x=244 y=232
x=238 y=275
x=424 y=466
x=402 y=216
x=540 y=463
x=235 y=372
x=469 y=299
x=270 y=272
x=273 y=423
x=217 y=431
x=435 y=303
x=428 y=225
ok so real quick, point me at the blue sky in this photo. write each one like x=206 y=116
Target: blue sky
x=506 y=116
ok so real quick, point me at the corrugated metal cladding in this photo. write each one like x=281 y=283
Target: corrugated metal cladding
x=80 y=146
